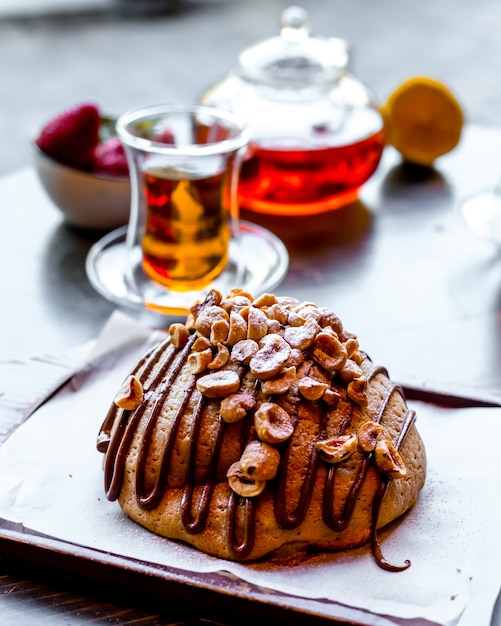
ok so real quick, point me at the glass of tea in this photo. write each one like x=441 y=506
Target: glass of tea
x=184 y=163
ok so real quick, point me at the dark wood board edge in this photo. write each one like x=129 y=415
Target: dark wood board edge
x=155 y=587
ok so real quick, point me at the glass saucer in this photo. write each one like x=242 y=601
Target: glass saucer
x=482 y=215
x=258 y=264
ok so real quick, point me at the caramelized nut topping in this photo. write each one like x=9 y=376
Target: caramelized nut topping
x=388 y=460
x=312 y=389
x=350 y=371
x=273 y=424
x=257 y=324
x=276 y=312
x=271 y=357
x=301 y=337
x=235 y=406
x=244 y=350
x=130 y=394
x=179 y=335
x=337 y=449
x=221 y=358
x=356 y=390
x=201 y=343
x=331 y=397
x=274 y=326
x=309 y=311
x=368 y=435
x=281 y=383
x=266 y=299
x=198 y=361
x=213 y=298
x=329 y=352
x=207 y=317
x=294 y=320
x=237 y=291
x=351 y=345
x=242 y=484
x=328 y=318
x=260 y=460
x=358 y=357
x=238 y=329
x=235 y=303
x=219 y=384
x=219 y=331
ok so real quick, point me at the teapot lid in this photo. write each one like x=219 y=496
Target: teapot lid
x=294 y=59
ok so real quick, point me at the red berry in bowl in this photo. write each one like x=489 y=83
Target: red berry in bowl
x=109 y=157
x=71 y=136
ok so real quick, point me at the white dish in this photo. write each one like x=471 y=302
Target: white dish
x=86 y=199
x=263 y=257
x=482 y=215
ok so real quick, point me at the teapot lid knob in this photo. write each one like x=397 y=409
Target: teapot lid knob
x=295 y=24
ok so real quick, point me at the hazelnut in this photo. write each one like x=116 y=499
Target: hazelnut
x=242 y=484
x=273 y=424
x=130 y=394
x=265 y=299
x=281 y=383
x=296 y=357
x=243 y=351
x=351 y=345
x=219 y=331
x=337 y=449
x=311 y=389
x=260 y=460
x=271 y=357
x=208 y=317
x=350 y=371
x=301 y=337
x=276 y=312
x=295 y=320
x=309 y=311
x=200 y=344
x=219 y=384
x=235 y=406
x=198 y=361
x=238 y=329
x=235 y=303
x=368 y=435
x=331 y=397
x=213 y=298
x=238 y=291
x=329 y=352
x=179 y=335
x=356 y=390
x=388 y=460
x=221 y=358
x=257 y=324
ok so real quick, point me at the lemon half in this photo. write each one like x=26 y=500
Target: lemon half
x=423 y=119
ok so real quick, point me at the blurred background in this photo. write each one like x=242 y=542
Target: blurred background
x=125 y=53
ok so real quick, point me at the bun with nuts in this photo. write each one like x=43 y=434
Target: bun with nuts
x=258 y=428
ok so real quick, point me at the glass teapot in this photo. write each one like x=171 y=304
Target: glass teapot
x=316 y=131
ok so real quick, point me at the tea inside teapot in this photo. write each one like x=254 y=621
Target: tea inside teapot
x=316 y=131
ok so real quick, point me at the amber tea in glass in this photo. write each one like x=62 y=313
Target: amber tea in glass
x=187 y=232
x=184 y=163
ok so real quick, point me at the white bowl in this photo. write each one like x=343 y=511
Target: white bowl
x=86 y=199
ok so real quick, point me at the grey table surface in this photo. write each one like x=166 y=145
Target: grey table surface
x=422 y=292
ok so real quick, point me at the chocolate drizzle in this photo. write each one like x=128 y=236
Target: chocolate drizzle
x=194 y=524
x=120 y=426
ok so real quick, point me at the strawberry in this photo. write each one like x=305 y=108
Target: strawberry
x=109 y=157
x=72 y=136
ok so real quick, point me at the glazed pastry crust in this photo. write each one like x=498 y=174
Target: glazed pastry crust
x=160 y=426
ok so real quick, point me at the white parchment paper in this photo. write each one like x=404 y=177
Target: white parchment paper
x=52 y=483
